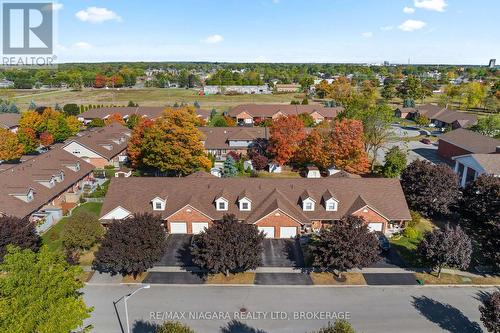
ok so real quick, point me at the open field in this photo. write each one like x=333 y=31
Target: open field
x=144 y=97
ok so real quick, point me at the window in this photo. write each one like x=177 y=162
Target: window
x=244 y=205
x=308 y=206
x=158 y=205
x=331 y=205
x=222 y=205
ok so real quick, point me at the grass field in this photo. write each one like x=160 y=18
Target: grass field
x=144 y=97
x=52 y=238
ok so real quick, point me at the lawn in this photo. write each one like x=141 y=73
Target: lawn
x=52 y=237
x=144 y=97
x=406 y=247
x=456 y=279
x=239 y=278
x=329 y=279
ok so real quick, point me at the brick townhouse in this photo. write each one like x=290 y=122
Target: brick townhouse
x=281 y=208
x=218 y=141
x=462 y=142
x=248 y=114
x=439 y=116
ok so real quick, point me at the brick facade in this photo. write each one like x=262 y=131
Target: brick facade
x=278 y=219
x=189 y=215
x=371 y=216
x=447 y=150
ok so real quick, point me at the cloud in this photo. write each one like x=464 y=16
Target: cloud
x=387 y=28
x=82 y=46
x=435 y=5
x=408 y=10
x=97 y=15
x=367 y=34
x=213 y=39
x=412 y=25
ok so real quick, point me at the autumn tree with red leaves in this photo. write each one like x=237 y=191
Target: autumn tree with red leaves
x=100 y=81
x=286 y=133
x=314 y=150
x=135 y=142
x=114 y=118
x=348 y=146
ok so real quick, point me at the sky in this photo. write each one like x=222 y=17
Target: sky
x=354 y=31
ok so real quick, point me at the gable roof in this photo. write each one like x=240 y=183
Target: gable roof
x=20 y=177
x=489 y=162
x=150 y=112
x=219 y=137
x=268 y=110
x=114 y=135
x=471 y=141
x=445 y=115
x=135 y=193
x=9 y=120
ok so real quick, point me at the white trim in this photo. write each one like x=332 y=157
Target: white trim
x=188 y=205
x=113 y=210
x=376 y=211
x=263 y=217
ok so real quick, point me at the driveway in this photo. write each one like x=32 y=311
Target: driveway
x=386 y=279
x=416 y=151
x=290 y=279
x=173 y=278
x=390 y=259
x=177 y=251
x=282 y=253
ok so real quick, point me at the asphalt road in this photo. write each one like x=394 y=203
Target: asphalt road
x=278 y=309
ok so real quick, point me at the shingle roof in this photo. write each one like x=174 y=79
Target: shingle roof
x=471 y=141
x=150 y=112
x=9 y=120
x=21 y=177
x=218 y=137
x=135 y=194
x=268 y=110
x=114 y=136
x=489 y=162
x=445 y=115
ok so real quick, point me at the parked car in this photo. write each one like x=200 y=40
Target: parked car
x=426 y=141
x=383 y=242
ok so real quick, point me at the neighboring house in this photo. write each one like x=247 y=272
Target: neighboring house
x=312 y=172
x=281 y=208
x=439 y=116
x=219 y=141
x=463 y=142
x=149 y=112
x=287 y=88
x=248 y=114
x=44 y=187
x=10 y=121
x=6 y=83
x=257 y=90
x=469 y=167
x=101 y=146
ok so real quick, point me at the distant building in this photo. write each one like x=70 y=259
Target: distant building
x=257 y=90
x=492 y=63
x=287 y=88
x=6 y=83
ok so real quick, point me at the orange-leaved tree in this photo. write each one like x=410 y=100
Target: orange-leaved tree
x=114 y=118
x=314 y=149
x=348 y=146
x=135 y=142
x=286 y=133
x=10 y=147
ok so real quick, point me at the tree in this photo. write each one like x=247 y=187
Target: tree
x=489 y=126
x=27 y=137
x=323 y=89
x=346 y=244
x=410 y=88
x=171 y=144
x=490 y=312
x=422 y=121
x=218 y=121
x=230 y=168
x=46 y=139
x=132 y=245
x=81 y=232
x=395 y=162
x=347 y=146
x=285 y=135
x=259 y=162
x=17 y=232
x=389 y=90
x=97 y=122
x=341 y=91
x=114 y=118
x=71 y=109
x=100 y=81
x=430 y=189
x=10 y=147
x=44 y=284
x=473 y=95
x=32 y=120
x=174 y=327
x=307 y=119
x=240 y=244
x=314 y=150
x=449 y=247
x=340 y=326
x=134 y=148
x=133 y=120
x=480 y=201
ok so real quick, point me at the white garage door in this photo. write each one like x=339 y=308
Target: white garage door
x=269 y=231
x=375 y=226
x=199 y=227
x=288 y=232
x=178 y=228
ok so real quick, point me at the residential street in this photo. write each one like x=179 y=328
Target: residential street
x=370 y=309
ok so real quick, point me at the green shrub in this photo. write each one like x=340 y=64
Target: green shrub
x=340 y=326
x=415 y=219
x=82 y=231
x=410 y=233
x=174 y=327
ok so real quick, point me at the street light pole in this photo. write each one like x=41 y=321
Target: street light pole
x=147 y=286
